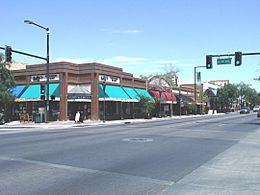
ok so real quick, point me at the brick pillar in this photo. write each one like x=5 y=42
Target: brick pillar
x=63 y=97
x=94 y=97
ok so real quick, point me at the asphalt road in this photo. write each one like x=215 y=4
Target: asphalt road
x=138 y=158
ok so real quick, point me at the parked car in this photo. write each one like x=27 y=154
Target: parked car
x=256 y=108
x=258 y=113
x=245 y=110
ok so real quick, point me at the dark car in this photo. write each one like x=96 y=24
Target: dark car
x=245 y=110
x=2 y=117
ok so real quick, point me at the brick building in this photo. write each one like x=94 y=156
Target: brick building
x=79 y=87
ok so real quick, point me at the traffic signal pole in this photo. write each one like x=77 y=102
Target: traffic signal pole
x=47 y=74
x=26 y=54
x=195 y=85
x=238 y=58
x=244 y=54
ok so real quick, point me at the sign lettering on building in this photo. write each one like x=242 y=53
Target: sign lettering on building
x=74 y=96
x=111 y=79
x=39 y=78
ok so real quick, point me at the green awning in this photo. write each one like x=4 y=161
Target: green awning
x=143 y=92
x=114 y=93
x=34 y=91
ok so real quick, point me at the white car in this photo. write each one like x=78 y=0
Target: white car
x=256 y=108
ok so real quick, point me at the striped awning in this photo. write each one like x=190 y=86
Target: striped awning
x=33 y=92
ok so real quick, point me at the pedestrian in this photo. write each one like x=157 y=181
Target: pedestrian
x=77 y=117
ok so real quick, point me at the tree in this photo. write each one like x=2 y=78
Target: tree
x=252 y=97
x=170 y=74
x=144 y=77
x=6 y=83
x=245 y=93
x=147 y=105
x=227 y=95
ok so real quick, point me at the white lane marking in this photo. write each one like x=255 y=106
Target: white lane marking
x=137 y=140
x=86 y=170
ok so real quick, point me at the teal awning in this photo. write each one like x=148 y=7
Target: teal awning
x=34 y=91
x=114 y=93
x=55 y=89
x=18 y=90
x=143 y=92
x=131 y=92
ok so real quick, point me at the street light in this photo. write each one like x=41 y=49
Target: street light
x=47 y=107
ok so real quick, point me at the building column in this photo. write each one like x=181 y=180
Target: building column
x=94 y=97
x=121 y=111
x=63 y=97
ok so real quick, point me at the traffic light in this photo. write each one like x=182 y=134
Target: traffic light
x=8 y=54
x=42 y=89
x=209 y=64
x=238 y=58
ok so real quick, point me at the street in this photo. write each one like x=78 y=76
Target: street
x=133 y=158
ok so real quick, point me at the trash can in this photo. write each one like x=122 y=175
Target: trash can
x=37 y=118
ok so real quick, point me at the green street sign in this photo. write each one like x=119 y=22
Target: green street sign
x=224 y=61
x=160 y=99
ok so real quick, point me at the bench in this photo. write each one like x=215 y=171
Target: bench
x=25 y=117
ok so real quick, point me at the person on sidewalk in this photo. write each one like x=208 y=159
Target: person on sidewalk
x=77 y=117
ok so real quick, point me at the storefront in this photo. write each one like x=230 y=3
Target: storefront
x=84 y=88
x=166 y=100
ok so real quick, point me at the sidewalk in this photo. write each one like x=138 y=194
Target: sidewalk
x=67 y=124
x=235 y=171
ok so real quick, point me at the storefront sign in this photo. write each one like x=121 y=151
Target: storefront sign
x=75 y=97
x=110 y=79
x=38 y=78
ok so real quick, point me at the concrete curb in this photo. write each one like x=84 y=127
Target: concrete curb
x=68 y=124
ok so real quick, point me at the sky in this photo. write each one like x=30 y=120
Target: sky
x=143 y=37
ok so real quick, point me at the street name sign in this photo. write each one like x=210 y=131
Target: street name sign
x=224 y=61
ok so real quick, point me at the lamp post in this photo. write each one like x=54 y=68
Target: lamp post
x=47 y=104
x=104 y=102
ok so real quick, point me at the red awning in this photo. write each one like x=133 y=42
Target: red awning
x=174 y=97
x=154 y=93
x=167 y=96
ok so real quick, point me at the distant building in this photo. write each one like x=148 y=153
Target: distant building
x=219 y=83
x=17 y=66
